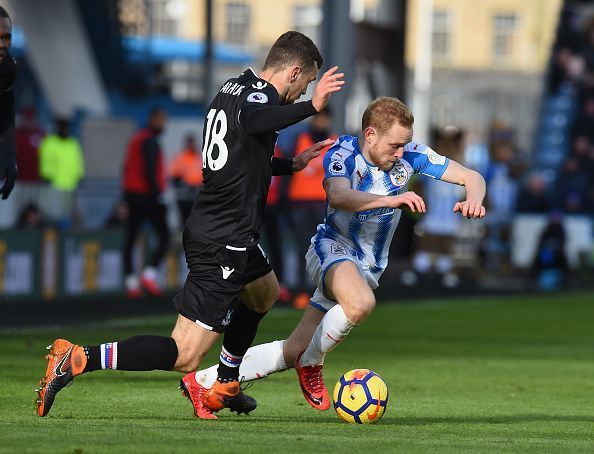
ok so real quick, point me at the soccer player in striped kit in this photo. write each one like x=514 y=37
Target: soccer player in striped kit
x=365 y=181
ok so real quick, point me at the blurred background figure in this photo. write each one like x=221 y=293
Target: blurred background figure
x=144 y=181
x=119 y=216
x=533 y=196
x=550 y=264
x=186 y=176
x=31 y=218
x=28 y=139
x=274 y=222
x=61 y=164
x=308 y=200
x=502 y=192
x=573 y=187
x=440 y=225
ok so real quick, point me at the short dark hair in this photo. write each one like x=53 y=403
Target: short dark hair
x=4 y=13
x=293 y=47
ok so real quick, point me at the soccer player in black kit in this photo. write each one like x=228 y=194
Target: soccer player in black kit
x=230 y=286
x=8 y=167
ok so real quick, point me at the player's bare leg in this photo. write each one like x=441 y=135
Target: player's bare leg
x=344 y=284
x=256 y=299
x=182 y=351
x=193 y=342
x=301 y=336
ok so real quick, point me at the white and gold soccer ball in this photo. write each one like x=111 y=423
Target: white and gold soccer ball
x=360 y=397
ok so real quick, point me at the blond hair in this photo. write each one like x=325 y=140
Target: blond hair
x=383 y=112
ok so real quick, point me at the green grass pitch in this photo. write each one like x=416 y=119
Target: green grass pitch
x=507 y=374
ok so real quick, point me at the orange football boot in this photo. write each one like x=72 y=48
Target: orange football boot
x=228 y=395
x=65 y=361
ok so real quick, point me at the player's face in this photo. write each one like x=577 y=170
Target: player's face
x=298 y=86
x=5 y=36
x=387 y=149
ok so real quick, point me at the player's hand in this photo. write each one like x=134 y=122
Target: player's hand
x=470 y=209
x=330 y=82
x=414 y=202
x=302 y=159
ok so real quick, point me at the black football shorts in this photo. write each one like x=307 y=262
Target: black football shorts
x=217 y=276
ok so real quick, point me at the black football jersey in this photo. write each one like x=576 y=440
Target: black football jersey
x=240 y=132
x=7 y=79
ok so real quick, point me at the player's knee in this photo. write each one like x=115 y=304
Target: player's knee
x=265 y=299
x=360 y=308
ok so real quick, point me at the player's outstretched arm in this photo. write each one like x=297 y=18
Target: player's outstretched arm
x=342 y=197
x=476 y=188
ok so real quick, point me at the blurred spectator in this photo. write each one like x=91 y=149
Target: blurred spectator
x=61 y=163
x=589 y=47
x=28 y=138
x=584 y=123
x=550 y=264
x=144 y=182
x=186 y=174
x=573 y=187
x=308 y=199
x=30 y=217
x=119 y=216
x=533 y=196
x=273 y=220
x=439 y=226
x=502 y=191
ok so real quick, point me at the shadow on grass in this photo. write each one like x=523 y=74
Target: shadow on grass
x=319 y=420
x=502 y=419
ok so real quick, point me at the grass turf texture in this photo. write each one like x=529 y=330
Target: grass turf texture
x=483 y=375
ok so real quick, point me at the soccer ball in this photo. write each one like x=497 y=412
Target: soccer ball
x=360 y=397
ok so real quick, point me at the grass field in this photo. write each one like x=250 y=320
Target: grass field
x=483 y=375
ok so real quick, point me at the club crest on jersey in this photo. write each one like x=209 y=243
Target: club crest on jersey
x=258 y=96
x=399 y=175
x=259 y=85
x=336 y=167
x=227 y=318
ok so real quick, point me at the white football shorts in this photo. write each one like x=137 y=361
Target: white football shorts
x=321 y=255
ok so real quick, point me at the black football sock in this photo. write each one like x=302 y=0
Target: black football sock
x=134 y=353
x=239 y=336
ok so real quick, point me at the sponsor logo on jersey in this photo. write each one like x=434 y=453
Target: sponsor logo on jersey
x=336 y=167
x=259 y=85
x=337 y=157
x=399 y=175
x=365 y=215
x=435 y=158
x=337 y=249
x=258 y=96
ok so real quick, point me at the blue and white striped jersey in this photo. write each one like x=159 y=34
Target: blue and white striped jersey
x=368 y=234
